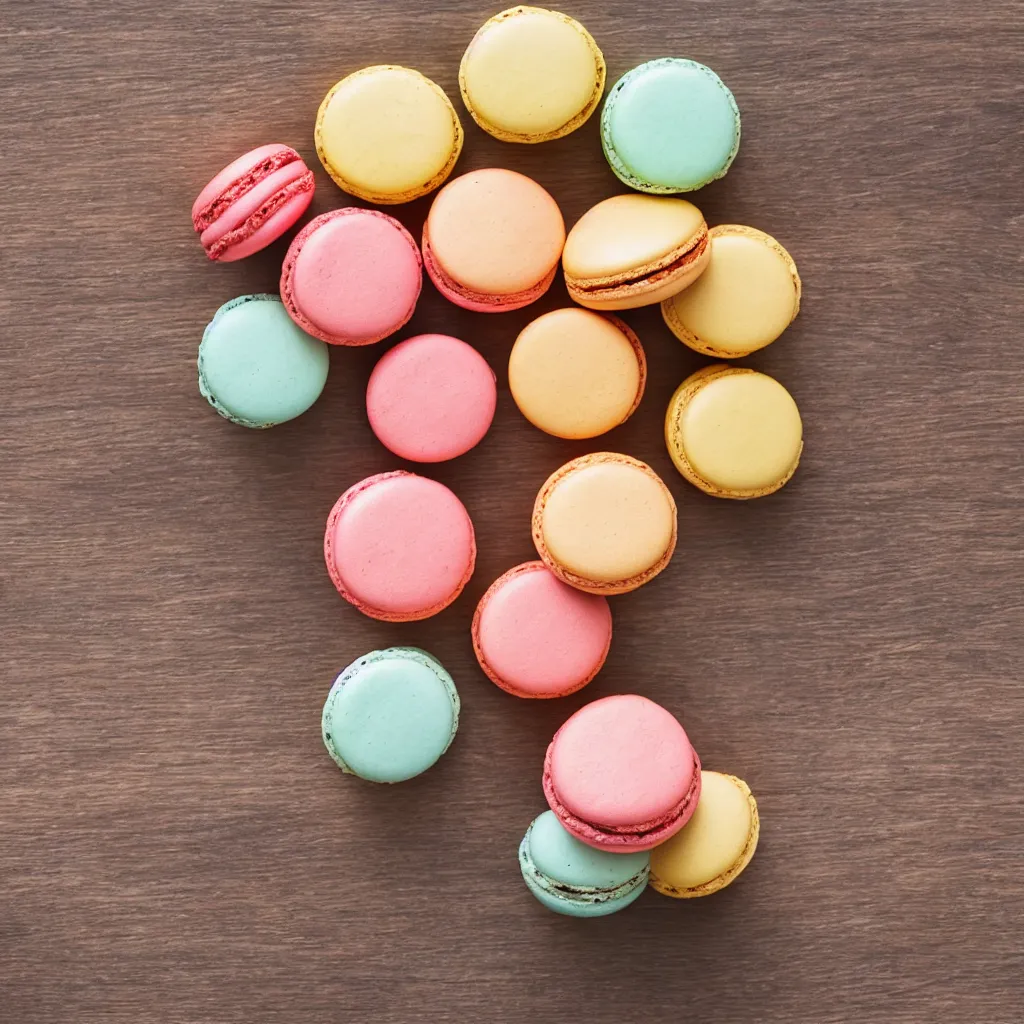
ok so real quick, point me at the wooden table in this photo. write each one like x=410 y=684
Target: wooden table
x=176 y=846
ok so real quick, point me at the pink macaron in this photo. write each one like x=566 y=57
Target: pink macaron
x=536 y=636
x=252 y=202
x=621 y=774
x=431 y=398
x=351 y=276
x=399 y=547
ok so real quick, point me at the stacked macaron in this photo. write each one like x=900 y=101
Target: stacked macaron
x=629 y=802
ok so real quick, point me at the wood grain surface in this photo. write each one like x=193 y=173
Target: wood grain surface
x=175 y=845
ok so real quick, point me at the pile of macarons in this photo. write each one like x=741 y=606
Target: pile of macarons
x=629 y=802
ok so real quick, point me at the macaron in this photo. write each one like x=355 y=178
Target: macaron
x=431 y=398
x=257 y=368
x=670 y=125
x=535 y=636
x=716 y=845
x=574 y=879
x=531 y=75
x=633 y=250
x=621 y=774
x=399 y=547
x=387 y=134
x=252 y=202
x=733 y=432
x=605 y=523
x=352 y=276
x=748 y=295
x=492 y=240
x=575 y=373
x=390 y=715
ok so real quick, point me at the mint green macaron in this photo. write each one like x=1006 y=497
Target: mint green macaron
x=670 y=125
x=257 y=367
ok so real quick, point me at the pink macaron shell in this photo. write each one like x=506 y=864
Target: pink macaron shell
x=352 y=276
x=431 y=398
x=399 y=547
x=238 y=169
x=538 y=637
x=271 y=229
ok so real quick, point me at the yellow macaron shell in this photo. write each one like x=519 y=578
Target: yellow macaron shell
x=716 y=844
x=608 y=521
x=734 y=432
x=747 y=296
x=576 y=374
x=387 y=134
x=531 y=75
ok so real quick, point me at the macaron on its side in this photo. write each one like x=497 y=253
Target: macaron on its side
x=747 y=444
x=390 y=715
x=747 y=297
x=252 y=202
x=531 y=75
x=717 y=844
x=388 y=134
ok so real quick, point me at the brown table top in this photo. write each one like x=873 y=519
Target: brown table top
x=175 y=845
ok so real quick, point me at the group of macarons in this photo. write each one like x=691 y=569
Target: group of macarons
x=629 y=802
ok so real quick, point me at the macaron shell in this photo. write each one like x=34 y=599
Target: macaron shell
x=749 y=294
x=431 y=398
x=577 y=374
x=239 y=175
x=716 y=845
x=535 y=636
x=531 y=75
x=388 y=134
x=733 y=432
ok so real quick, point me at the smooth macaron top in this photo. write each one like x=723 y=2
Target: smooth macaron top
x=431 y=398
x=535 y=636
x=747 y=296
x=390 y=715
x=352 y=276
x=575 y=373
x=670 y=125
x=530 y=75
x=257 y=367
x=388 y=134
x=399 y=546
x=734 y=432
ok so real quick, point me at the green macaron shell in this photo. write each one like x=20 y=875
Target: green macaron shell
x=670 y=125
x=574 y=879
x=390 y=715
x=257 y=367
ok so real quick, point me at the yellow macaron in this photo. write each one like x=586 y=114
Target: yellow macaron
x=387 y=134
x=748 y=295
x=734 y=432
x=715 y=845
x=574 y=373
x=531 y=75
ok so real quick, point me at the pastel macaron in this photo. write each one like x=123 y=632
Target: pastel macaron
x=431 y=398
x=399 y=547
x=633 y=250
x=605 y=523
x=670 y=125
x=575 y=373
x=390 y=715
x=492 y=240
x=352 y=276
x=716 y=845
x=748 y=295
x=621 y=774
x=258 y=368
x=252 y=202
x=531 y=75
x=535 y=636
x=734 y=432
x=387 y=134
x=572 y=878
